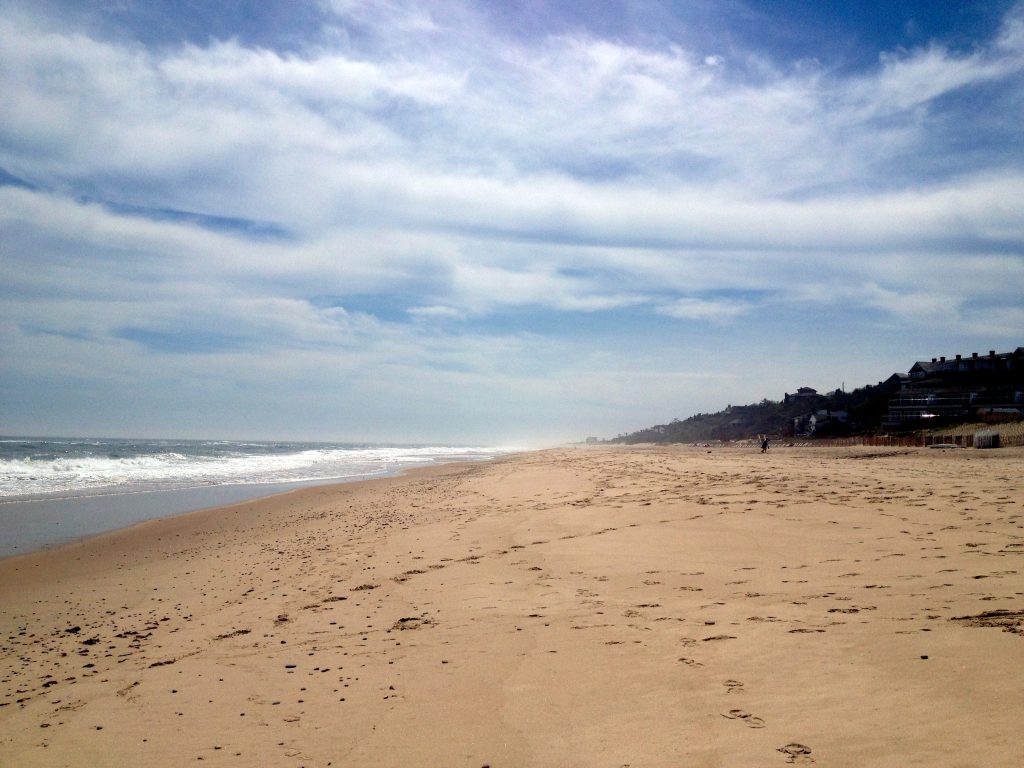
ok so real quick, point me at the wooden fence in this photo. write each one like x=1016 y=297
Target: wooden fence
x=895 y=441
x=919 y=441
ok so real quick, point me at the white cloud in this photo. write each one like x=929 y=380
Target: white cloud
x=1011 y=33
x=717 y=311
x=436 y=312
x=484 y=287
x=464 y=174
x=307 y=139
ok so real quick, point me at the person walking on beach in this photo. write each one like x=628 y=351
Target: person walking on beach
x=764 y=444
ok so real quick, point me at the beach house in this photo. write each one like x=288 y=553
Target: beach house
x=945 y=389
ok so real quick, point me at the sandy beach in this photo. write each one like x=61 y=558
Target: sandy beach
x=575 y=607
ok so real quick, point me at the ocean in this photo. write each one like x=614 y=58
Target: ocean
x=55 y=490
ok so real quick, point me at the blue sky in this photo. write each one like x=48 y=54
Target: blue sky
x=494 y=222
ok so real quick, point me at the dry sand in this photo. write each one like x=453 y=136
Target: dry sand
x=576 y=607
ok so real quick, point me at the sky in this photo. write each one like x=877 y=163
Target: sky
x=501 y=223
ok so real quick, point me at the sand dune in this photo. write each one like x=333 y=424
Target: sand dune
x=577 y=607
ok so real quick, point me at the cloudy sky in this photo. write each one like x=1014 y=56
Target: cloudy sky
x=494 y=222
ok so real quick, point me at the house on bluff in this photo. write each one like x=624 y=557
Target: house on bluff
x=989 y=387
x=819 y=422
x=803 y=393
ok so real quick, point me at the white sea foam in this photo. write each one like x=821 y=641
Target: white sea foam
x=95 y=470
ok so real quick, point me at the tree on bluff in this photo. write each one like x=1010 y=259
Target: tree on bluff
x=865 y=407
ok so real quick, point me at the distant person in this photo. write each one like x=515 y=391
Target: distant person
x=764 y=445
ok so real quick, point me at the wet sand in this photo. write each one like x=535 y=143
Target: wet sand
x=30 y=525
x=577 y=607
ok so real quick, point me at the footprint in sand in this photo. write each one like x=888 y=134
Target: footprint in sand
x=796 y=753
x=751 y=721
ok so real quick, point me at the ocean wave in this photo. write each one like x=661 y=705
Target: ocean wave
x=47 y=468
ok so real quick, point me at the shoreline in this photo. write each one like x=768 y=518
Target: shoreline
x=82 y=517
x=566 y=607
x=93 y=514
x=151 y=529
